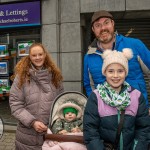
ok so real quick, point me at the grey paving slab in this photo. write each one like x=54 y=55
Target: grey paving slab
x=7 y=142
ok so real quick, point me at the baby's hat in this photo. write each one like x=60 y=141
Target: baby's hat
x=70 y=109
x=69 y=105
x=114 y=56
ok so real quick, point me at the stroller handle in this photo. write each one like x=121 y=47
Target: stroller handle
x=64 y=138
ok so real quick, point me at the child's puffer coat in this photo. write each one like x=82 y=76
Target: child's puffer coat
x=101 y=123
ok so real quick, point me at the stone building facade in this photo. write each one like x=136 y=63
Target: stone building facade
x=66 y=25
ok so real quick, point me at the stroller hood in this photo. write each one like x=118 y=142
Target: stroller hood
x=78 y=101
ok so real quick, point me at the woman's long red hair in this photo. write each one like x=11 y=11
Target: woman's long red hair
x=23 y=66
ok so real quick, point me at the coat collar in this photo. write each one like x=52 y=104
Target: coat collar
x=93 y=48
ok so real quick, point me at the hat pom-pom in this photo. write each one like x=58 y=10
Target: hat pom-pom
x=106 y=53
x=127 y=52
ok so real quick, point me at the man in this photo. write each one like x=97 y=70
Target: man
x=103 y=26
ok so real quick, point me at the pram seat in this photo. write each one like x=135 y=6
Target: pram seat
x=81 y=99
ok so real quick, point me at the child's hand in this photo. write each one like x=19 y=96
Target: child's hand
x=62 y=132
x=76 y=129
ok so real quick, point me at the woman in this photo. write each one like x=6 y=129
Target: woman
x=37 y=82
x=107 y=103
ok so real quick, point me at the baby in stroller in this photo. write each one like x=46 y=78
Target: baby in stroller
x=69 y=118
x=66 y=120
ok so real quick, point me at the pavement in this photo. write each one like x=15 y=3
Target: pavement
x=7 y=140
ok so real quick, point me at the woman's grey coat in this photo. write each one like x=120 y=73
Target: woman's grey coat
x=32 y=102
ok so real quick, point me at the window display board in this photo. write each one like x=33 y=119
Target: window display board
x=4 y=65
x=4 y=39
x=23 y=48
x=4 y=68
x=4 y=85
x=13 y=46
x=4 y=77
x=3 y=51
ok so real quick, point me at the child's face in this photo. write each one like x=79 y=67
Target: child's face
x=69 y=116
x=115 y=76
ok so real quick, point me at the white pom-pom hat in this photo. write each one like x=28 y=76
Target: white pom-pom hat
x=114 y=56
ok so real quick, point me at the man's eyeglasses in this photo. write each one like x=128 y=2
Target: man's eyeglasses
x=105 y=24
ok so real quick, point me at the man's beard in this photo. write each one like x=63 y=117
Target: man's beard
x=106 y=40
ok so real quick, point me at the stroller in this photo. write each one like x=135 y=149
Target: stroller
x=70 y=141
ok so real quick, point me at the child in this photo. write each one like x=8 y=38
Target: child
x=69 y=122
x=106 y=103
x=69 y=118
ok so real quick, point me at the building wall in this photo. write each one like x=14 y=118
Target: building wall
x=61 y=30
x=62 y=34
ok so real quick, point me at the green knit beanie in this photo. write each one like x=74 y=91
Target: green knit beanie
x=70 y=109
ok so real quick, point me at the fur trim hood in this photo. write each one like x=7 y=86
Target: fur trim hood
x=69 y=103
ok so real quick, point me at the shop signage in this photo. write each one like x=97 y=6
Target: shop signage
x=20 y=14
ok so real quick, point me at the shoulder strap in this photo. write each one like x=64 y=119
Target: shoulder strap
x=144 y=68
x=120 y=125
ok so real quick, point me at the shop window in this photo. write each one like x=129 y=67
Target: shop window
x=14 y=44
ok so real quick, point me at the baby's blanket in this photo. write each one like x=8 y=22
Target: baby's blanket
x=54 y=145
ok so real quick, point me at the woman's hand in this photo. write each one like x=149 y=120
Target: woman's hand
x=39 y=126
